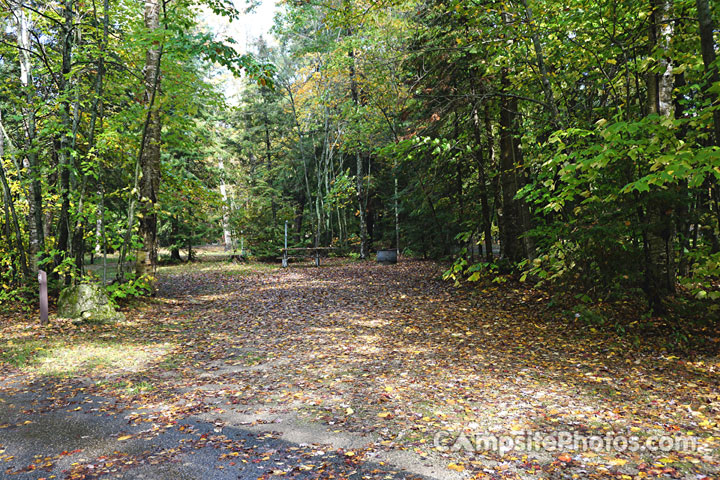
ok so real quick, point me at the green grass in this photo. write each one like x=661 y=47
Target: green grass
x=127 y=387
x=63 y=358
x=172 y=361
x=88 y=356
x=137 y=388
x=20 y=353
x=253 y=358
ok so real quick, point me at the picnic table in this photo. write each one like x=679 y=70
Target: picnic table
x=304 y=252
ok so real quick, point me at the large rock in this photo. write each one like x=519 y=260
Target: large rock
x=87 y=302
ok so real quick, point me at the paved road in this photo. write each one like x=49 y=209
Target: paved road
x=44 y=434
x=60 y=427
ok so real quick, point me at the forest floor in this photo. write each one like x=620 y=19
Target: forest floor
x=350 y=370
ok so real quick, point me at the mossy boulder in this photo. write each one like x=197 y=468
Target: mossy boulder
x=87 y=302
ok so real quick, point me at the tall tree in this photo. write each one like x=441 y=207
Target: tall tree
x=36 y=224
x=660 y=232
x=706 y=25
x=66 y=133
x=150 y=149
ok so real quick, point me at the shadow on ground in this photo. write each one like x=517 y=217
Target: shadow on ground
x=346 y=371
x=86 y=436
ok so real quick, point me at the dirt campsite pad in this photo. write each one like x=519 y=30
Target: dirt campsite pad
x=350 y=370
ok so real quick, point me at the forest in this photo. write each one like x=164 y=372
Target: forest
x=546 y=172
x=572 y=144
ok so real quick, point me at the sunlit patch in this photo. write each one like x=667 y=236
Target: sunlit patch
x=414 y=350
x=89 y=356
x=372 y=323
x=210 y=298
x=364 y=349
x=711 y=365
x=328 y=329
x=365 y=344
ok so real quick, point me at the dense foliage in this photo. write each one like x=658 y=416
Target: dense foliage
x=579 y=141
x=569 y=142
x=99 y=101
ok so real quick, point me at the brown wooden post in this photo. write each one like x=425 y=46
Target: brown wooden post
x=42 y=278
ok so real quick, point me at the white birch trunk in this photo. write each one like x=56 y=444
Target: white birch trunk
x=227 y=234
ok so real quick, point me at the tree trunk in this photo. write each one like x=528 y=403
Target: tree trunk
x=7 y=199
x=358 y=163
x=707 y=47
x=361 y=205
x=64 y=162
x=36 y=227
x=10 y=213
x=397 y=210
x=174 y=233
x=660 y=268
x=512 y=222
x=227 y=234
x=146 y=261
x=99 y=224
x=96 y=112
x=268 y=163
x=551 y=105
x=482 y=177
x=190 y=253
x=299 y=209
x=301 y=147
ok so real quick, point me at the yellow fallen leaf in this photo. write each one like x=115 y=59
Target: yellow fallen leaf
x=457 y=467
x=384 y=414
x=618 y=461
x=124 y=437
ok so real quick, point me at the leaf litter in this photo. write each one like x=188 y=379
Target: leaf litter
x=386 y=356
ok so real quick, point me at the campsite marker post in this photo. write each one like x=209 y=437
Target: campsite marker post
x=42 y=279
